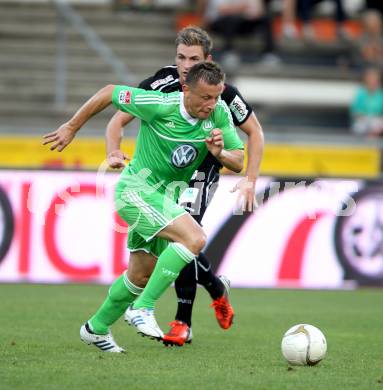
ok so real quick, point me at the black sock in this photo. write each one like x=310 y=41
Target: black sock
x=186 y=288
x=206 y=278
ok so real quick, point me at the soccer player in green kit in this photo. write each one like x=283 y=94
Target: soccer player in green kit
x=193 y=45
x=177 y=131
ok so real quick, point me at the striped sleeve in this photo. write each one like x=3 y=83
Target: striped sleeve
x=224 y=121
x=146 y=105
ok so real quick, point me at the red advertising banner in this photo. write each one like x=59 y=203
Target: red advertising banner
x=59 y=227
x=63 y=228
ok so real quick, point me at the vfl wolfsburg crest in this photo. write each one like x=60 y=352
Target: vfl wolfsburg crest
x=207 y=125
x=184 y=155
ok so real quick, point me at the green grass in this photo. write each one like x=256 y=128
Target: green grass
x=40 y=346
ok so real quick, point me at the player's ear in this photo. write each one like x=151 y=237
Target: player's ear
x=185 y=88
x=209 y=58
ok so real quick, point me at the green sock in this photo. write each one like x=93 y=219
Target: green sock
x=169 y=264
x=121 y=294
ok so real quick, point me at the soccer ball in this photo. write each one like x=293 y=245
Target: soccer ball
x=304 y=345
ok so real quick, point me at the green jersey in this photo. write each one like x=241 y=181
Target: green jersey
x=171 y=144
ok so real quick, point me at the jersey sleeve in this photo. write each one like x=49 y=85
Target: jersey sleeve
x=164 y=80
x=224 y=122
x=140 y=103
x=147 y=83
x=238 y=106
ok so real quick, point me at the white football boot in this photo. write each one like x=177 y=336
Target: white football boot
x=144 y=321
x=104 y=342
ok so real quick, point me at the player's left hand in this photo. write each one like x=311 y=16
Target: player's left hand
x=60 y=138
x=246 y=198
x=215 y=143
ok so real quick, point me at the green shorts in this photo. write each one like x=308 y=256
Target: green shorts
x=146 y=212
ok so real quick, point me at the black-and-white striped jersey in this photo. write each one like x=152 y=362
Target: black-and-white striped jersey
x=167 y=80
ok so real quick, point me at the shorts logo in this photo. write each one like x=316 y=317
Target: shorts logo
x=207 y=125
x=238 y=108
x=124 y=97
x=184 y=155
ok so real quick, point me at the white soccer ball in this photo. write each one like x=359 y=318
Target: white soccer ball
x=304 y=344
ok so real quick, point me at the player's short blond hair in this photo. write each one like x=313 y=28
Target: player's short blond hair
x=195 y=36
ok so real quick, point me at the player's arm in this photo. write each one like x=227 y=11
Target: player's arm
x=255 y=143
x=244 y=118
x=125 y=98
x=98 y=102
x=115 y=131
x=231 y=159
x=224 y=143
x=113 y=137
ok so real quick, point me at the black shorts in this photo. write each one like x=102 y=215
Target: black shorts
x=202 y=187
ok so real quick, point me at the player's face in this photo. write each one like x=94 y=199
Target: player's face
x=186 y=57
x=201 y=99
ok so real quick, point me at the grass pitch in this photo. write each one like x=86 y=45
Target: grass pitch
x=40 y=346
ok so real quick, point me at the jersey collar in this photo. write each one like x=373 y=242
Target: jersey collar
x=184 y=113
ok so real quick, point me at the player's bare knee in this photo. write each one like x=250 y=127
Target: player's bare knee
x=139 y=279
x=196 y=242
x=140 y=268
x=143 y=281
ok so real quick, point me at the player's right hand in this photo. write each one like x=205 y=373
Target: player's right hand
x=60 y=138
x=215 y=142
x=116 y=159
x=246 y=200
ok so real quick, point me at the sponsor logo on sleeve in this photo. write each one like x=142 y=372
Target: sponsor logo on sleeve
x=157 y=83
x=238 y=108
x=124 y=97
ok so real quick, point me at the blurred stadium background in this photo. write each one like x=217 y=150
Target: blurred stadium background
x=320 y=220
x=55 y=54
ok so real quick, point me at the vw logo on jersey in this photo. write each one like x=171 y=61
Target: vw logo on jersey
x=184 y=155
x=207 y=125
